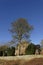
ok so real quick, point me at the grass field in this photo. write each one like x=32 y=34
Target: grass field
x=24 y=57
x=22 y=60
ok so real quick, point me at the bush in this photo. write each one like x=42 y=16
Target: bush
x=30 y=49
x=11 y=51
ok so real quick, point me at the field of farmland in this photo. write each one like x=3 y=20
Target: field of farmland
x=22 y=60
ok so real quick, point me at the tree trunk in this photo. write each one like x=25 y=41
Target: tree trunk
x=20 y=48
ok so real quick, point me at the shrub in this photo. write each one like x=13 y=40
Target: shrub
x=30 y=49
x=11 y=51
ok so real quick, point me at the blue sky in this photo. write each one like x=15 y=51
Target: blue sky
x=32 y=10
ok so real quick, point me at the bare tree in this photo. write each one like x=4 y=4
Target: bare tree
x=20 y=29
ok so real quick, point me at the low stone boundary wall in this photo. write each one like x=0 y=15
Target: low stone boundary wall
x=24 y=57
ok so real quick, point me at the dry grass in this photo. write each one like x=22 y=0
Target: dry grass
x=22 y=60
x=36 y=61
x=25 y=57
